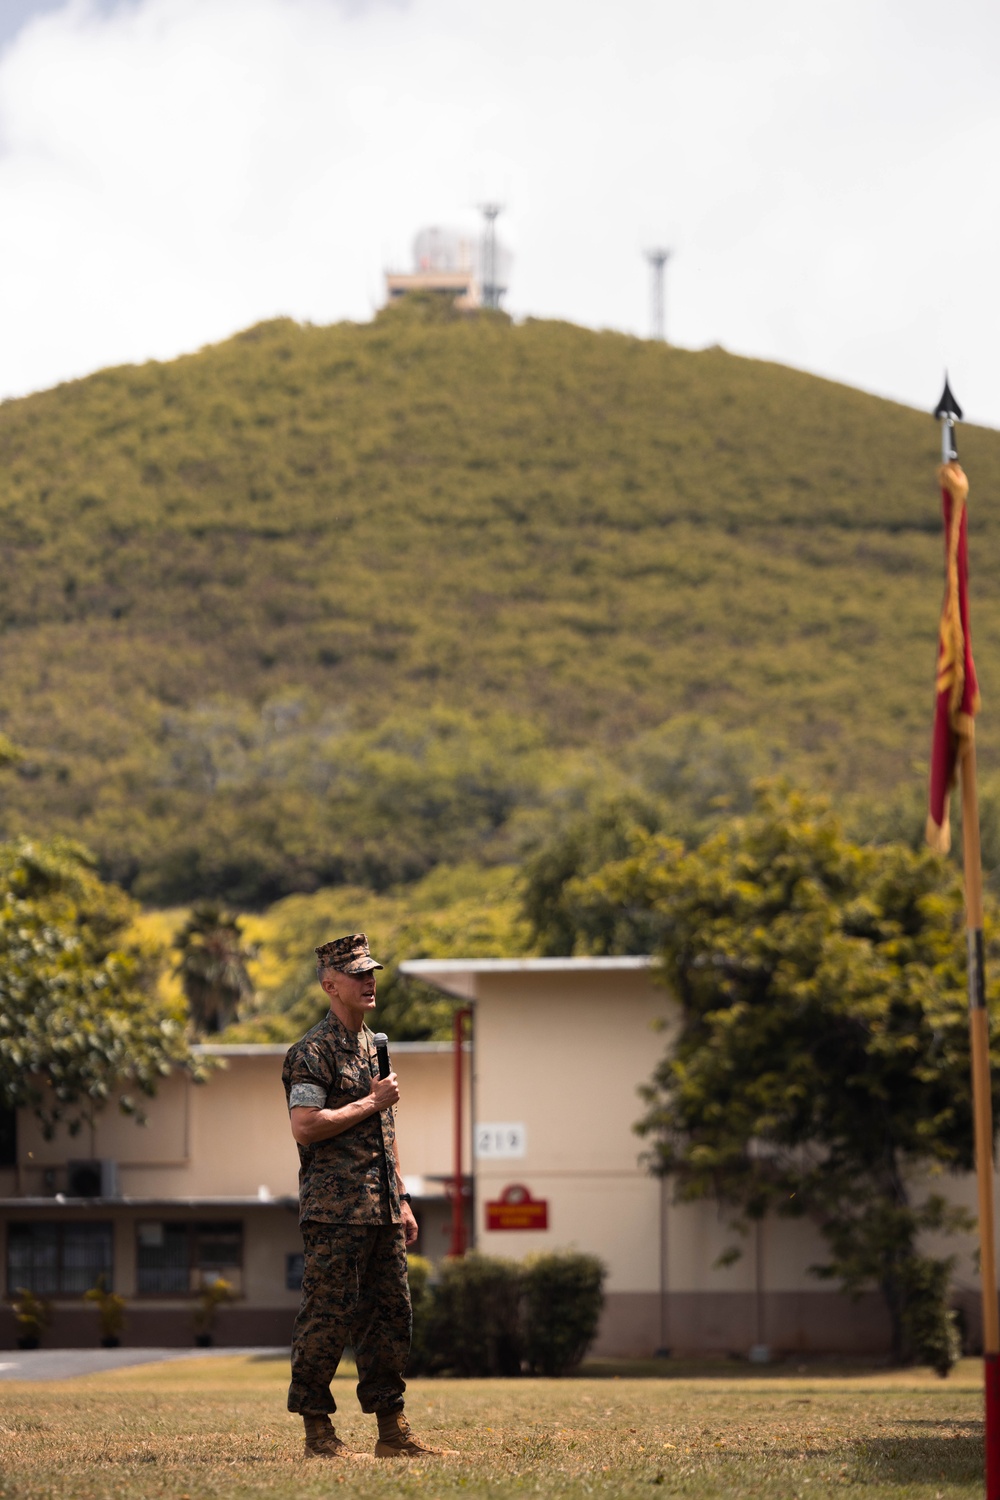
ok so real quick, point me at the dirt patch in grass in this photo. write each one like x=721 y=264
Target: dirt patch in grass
x=192 y=1431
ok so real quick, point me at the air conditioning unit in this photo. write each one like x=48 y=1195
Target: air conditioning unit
x=92 y=1179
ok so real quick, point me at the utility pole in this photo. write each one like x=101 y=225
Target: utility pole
x=492 y=292
x=657 y=260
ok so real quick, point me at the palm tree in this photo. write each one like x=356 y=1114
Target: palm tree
x=212 y=966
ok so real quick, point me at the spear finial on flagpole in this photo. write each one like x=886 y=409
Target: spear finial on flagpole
x=948 y=412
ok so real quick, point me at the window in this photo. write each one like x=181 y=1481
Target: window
x=295 y=1266
x=176 y=1257
x=58 y=1259
x=8 y=1137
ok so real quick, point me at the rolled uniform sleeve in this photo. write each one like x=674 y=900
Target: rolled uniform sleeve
x=307 y=1076
x=306 y=1096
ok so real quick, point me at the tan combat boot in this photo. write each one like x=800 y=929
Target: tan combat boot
x=395 y=1440
x=321 y=1440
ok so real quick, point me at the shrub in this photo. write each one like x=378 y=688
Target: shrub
x=33 y=1313
x=932 y=1326
x=110 y=1308
x=563 y=1298
x=475 y=1322
x=213 y=1295
x=422 y=1299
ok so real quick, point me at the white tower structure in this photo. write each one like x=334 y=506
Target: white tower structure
x=658 y=260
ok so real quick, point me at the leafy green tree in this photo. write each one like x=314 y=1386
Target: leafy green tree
x=701 y=771
x=78 y=1023
x=213 y=966
x=454 y=912
x=822 y=1062
x=585 y=843
x=682 y=779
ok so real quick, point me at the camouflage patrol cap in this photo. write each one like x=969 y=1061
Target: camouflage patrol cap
x=348 y=955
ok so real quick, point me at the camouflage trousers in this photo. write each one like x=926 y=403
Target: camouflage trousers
x=354 y=1291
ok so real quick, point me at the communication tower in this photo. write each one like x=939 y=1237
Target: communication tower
x=657 y=260
x=492 y=290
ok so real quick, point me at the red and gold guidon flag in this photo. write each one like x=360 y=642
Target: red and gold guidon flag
x=957 y=689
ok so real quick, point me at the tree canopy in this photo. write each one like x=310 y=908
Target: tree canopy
x=78 y=1024
x=454 y=912
x=213 y=966
x=822 y=1061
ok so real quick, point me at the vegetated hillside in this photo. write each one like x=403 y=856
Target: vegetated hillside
x=327 y=604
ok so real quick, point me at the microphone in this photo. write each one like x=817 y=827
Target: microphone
x=382 y=1051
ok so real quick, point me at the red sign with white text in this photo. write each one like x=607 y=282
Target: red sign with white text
x=517 y=1209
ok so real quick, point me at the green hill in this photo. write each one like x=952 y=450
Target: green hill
x=330 y=604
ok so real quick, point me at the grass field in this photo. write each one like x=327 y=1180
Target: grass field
x=218 y=1428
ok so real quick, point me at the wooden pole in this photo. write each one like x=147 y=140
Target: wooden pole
x=982 y=1110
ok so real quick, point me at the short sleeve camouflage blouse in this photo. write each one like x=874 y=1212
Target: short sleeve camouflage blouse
x=351 y=1178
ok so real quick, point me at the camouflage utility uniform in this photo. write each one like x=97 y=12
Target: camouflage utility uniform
x=354 y=1287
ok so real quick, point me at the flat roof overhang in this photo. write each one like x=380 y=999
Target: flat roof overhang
x=56 y=1201
x=429 y=281
x=460 y=976
x=422 y=1187
x=278 y=1049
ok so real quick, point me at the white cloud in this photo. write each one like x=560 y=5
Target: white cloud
x=171 y=170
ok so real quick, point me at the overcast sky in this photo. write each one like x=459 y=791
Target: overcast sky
x=825 y=170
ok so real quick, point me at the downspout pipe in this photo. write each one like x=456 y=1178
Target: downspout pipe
x=458 y=1235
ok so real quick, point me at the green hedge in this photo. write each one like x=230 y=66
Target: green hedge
x=422 y=1301
x=563 y=1297
x=475 y=1326
x=485 y=1315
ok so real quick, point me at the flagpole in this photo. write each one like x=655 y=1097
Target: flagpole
x=948 y=411
x=980 y=1038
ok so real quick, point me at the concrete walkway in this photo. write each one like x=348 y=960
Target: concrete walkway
x=62 y=1364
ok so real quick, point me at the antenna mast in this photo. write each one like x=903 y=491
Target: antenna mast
x=657 y=260
x=492 y=292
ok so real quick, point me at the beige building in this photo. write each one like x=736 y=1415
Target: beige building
x=560 y=1050
x=207 y=1187
x=445 y=263
x=459 y=287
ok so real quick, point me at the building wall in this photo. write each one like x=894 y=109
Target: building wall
x=263 y=1313
x=425 y=1115
x=562 y=1055
x=565 y=1055
x=229 y=1137
x=204 y=1151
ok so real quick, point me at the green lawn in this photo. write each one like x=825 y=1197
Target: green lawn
x=218 y=1427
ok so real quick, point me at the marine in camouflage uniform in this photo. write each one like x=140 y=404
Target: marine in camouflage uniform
x=356 y=1220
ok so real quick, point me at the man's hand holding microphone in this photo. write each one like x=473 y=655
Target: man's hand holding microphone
x=385 y=1088
x=385 y=1092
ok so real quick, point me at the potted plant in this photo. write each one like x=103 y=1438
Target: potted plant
x=213 y=1295
x=33 y=1314
x=110 y=1311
